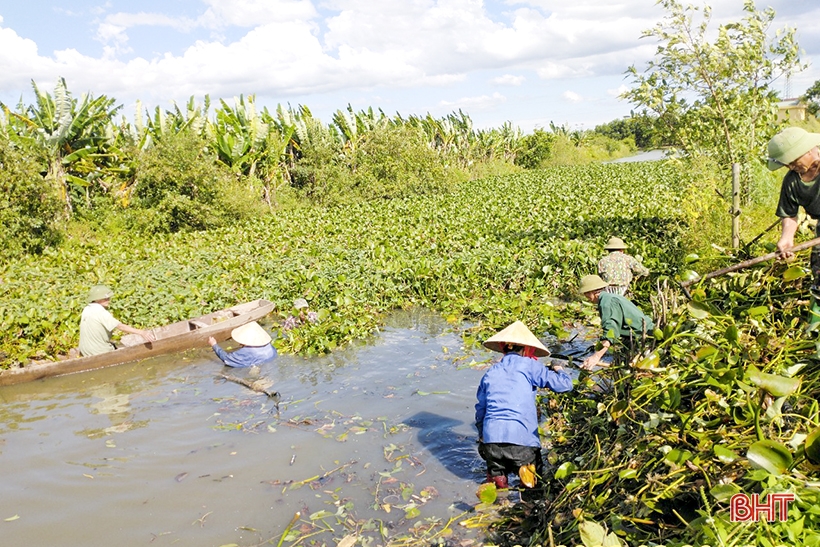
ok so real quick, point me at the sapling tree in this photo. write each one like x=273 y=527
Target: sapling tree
x=712 y=88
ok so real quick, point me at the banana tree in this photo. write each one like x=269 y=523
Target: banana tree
x=75 y=137
x=240 y=135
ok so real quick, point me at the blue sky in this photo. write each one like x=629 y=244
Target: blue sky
x=530 y=62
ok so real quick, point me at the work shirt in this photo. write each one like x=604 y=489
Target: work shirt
x=246 y=356
x=617 y=269
x=620 y=317
x=96 y=326
x=794 y=193
x=505 y=412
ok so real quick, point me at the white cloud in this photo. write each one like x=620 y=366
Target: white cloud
x=619 y=91
x=252 y=13
x=572 y=97
x=475 y=103
x=508 y=79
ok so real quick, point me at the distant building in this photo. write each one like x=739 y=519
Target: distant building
x=791 y=110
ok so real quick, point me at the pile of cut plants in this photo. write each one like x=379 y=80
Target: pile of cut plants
x=725 y=403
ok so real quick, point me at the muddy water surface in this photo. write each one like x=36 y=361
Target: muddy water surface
x=375 y=440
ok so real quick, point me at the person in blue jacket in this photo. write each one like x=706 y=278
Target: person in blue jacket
x=505 y=415
x=256 y=347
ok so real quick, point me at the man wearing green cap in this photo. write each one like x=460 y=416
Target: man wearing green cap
x=97 y=324
x=797 y=149
x=620 y=318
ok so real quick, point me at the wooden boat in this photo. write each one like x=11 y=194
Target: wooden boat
x=170 y=338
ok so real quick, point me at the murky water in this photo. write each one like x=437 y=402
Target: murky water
x=375 y=440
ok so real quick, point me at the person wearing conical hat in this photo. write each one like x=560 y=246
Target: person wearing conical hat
x=618 y=268
x=256 y=347
x=301 y=315
x=97 y=324
x=505 y=414
x=621 y=320
x=797 y=149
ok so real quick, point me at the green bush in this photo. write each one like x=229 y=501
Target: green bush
x=30 y=208
x=179 y=186
x=536 y=149
x=396 y=162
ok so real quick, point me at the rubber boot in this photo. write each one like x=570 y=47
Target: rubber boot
x=500 y=480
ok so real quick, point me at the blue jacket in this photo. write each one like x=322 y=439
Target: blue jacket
x=505 y=412
x=246 y=356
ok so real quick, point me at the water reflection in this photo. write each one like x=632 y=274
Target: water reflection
x=455 y=451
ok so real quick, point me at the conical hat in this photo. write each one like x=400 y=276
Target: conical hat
x=251 y=334
x=519 y=335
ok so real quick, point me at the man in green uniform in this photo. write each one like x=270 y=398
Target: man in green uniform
x=97 y=324
x=797 y=149
x=620 y=318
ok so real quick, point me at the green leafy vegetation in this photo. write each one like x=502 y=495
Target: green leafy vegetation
x=493 y=250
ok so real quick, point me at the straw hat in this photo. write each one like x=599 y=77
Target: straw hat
x=790 y=144
x=251 y=334
x=519 y=335
x=591 y=283
x=615 y=244
x=300 y=303
x=99 y=292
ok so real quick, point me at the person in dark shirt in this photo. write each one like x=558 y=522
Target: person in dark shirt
x=506 y=416
x=797 y=149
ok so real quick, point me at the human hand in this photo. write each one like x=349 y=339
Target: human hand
x=211 y=341
x=784 y=249
x=148 y=336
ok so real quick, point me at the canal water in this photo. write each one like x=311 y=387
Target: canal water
x=375 y=441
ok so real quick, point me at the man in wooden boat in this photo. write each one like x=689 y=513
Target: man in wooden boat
x=256 y=347
x=506 y=415
x=97 y=324
x=621 y=320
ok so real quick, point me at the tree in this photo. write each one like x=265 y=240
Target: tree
x=715 y=99
x=811 y=98
x=76 y=138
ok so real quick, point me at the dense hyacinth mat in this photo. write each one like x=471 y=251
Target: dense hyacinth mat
x=725 y=404
x=496 y=250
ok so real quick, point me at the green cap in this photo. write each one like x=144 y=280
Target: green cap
x=591 y=283
x=790 y=144
x=99 y=292
x=615 y=244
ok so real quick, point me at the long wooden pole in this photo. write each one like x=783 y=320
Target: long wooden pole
x=751 y=262
x=735 y=205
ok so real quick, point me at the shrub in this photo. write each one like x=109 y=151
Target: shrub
x=180 y=186
x=536 y=149
x=29 y=206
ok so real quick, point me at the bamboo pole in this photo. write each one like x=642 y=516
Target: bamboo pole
x=751 y=262
x=735 y=205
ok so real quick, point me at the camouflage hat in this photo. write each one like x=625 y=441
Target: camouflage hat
x=99 y=292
